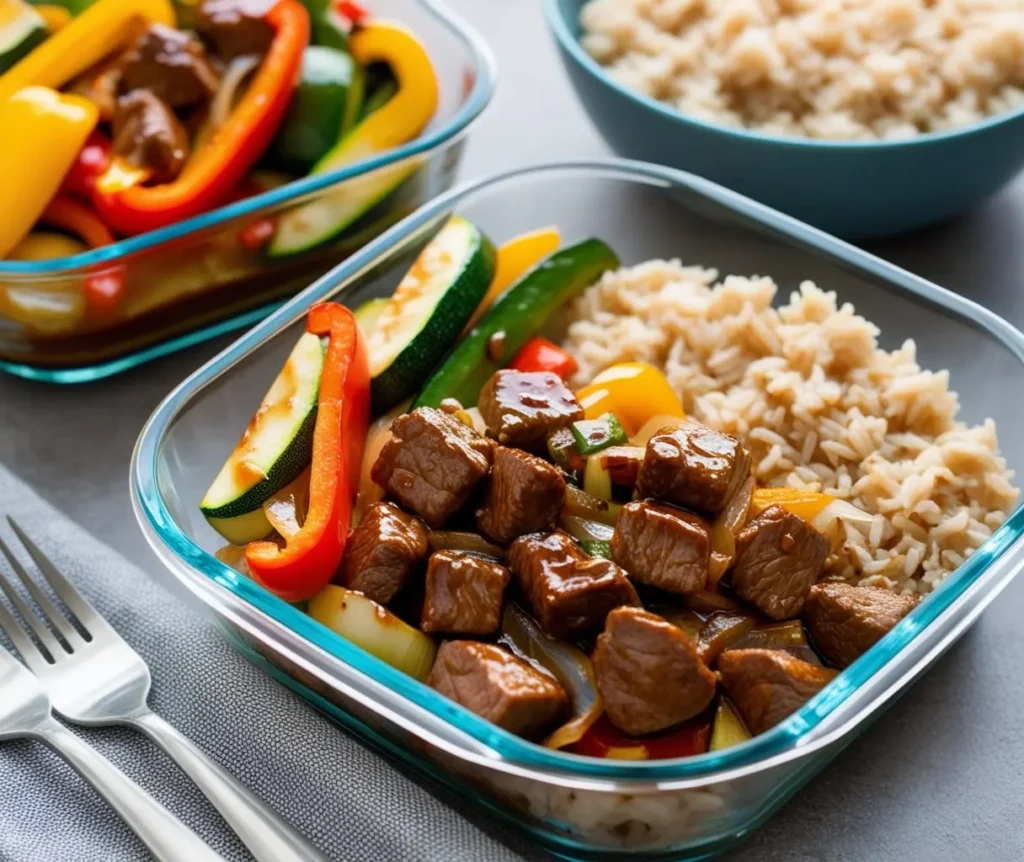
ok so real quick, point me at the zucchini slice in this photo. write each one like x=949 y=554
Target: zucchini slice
x=275 y=448
x=515 y=317
x=410 y=333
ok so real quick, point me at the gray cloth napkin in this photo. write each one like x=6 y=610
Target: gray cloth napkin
x=352 y=803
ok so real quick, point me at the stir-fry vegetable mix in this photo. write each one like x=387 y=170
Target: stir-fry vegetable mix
x=131 y=115
x=590 y=569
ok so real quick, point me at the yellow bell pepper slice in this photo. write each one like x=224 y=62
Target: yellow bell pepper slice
x=513 y=259
x=103 y=28
x=410 y=109
x=633 y=391
x=48 y=131
x=55 y=17
x=806 y=505
x=51 y=308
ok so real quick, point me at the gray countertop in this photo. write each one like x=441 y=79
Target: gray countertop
x=938 y=776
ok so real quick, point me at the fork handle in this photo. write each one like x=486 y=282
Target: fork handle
x=268 y=837
x=168 y=839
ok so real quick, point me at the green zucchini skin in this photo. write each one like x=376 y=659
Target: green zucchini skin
x=285 y=450
x=419 y=358
x=286 y=468
x=20 y=37
x=518 y=313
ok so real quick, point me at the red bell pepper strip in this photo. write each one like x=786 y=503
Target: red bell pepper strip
x=352 y=12
x=103 y=290
x=604 y=740
x=90 y=165
x=233 y=149
x=312 y=556
x=539 y=354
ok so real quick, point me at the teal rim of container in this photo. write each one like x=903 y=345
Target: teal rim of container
x=145 y=465
x=477 y=100
x=566 y=34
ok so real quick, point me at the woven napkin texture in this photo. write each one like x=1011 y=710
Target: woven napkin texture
x=352 y=803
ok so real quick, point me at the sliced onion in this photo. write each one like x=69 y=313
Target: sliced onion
x=471 y=543
x=223 y=101
x=840 y=510
x=568 y=664
x=723 y=532
x=590 y=508
x=682 y=618
x=378 y=434
x=587 y=531
x=477 y=421
x=655 y=424
x=286 y=510
x=233 y=556
x=709 y=601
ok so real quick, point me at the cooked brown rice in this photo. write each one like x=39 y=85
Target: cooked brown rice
x=818 y=404
x=833 y=69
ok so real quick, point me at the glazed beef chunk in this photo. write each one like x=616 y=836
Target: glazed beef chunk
x=147 y=134
x=464 y=594
x=235 y=27
x=432 y=463
x=498 y=686
x=171 y=64
x=767 y=686
x=693 y=466
x=846 y=621
x=522 y=408
x=569 y=592
x=524 y=495
x=649 y=673
x=778 y=557
x=383 y=551
x=662 y=547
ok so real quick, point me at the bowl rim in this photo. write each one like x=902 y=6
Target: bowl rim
x=472 y=105
x=566 y=38
x=796 y=732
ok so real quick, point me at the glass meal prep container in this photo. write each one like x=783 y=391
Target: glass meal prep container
x=583 y=808
x=197 y=279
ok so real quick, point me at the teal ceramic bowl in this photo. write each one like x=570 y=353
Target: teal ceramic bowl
x=857 y=190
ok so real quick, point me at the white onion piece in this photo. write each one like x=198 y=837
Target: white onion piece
x=839 y=510
x=223 y=100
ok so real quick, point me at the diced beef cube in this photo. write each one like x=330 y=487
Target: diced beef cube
x=521 y=408
x=432 y=463
x=171 y=64
x=778 y=557
x=767 y=686
x=649 y=673
x=148 y=135
x=662 y=547
x=569 y=592
x=464 y=594
x=693 y=466
x=235 y=27
x=498 y=686
x=846 y=621
x=383 y=551
x=525 y=494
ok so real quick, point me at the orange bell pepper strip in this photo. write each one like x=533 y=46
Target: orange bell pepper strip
x=103 y=290
x=222 y=161
x=312 y=556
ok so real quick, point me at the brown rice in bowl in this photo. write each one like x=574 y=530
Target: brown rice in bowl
x=819 y=405
x=827 y=69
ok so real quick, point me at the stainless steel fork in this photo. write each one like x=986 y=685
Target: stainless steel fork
x=25 y=713
x=95 y=678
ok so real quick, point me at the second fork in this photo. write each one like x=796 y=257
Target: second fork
x=95 y=678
